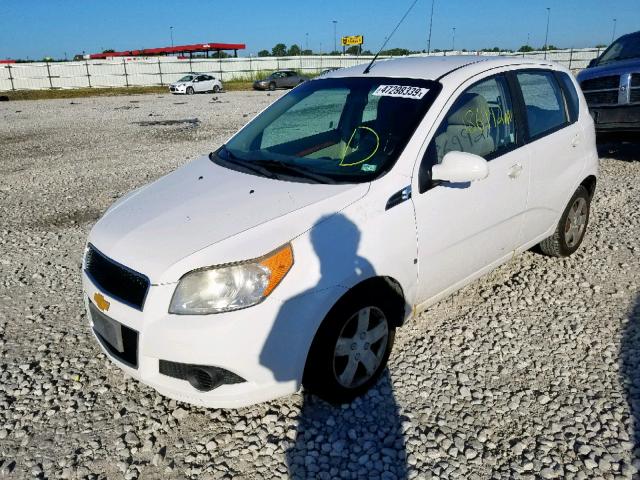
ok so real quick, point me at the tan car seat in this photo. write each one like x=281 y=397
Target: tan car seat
x=463 y=132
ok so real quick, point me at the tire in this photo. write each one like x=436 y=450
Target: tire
x=190 y=91
x=216 y=89
x=571 y=227
x=339 y=345
x=272 y=86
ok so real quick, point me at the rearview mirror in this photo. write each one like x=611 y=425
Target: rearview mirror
x=460 y=167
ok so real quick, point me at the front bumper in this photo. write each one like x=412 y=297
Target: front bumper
x=173 y=89
x=266 y=344
x=258 y=86
x=618 y=118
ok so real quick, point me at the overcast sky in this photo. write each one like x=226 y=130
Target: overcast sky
x=38 y=28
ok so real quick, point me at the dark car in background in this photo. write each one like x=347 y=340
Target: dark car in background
x=280 y=79
x=611 y=85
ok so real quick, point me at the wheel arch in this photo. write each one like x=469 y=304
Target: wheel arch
x=590 y=184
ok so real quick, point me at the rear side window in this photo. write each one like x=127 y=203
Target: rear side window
x=571 y=96
x=543 y=101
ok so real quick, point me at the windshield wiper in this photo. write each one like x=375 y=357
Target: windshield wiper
x=247 y=164
x=300 y=171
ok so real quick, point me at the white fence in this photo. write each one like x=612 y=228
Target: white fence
x=126 y=72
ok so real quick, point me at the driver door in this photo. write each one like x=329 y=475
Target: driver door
x=199 y=84
x=465 y=230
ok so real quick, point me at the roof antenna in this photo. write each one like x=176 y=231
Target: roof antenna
x=366 y=70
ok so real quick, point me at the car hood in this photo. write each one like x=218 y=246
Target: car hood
x=180 y=84
x=613 y=68
x=202 y=204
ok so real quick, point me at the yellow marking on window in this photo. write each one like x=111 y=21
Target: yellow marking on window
x=344 y=153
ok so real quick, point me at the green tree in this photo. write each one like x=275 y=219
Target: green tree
x=294 y=50
x=353 y=50
x=307 y=52
x=109 y=50
x=280 y=50
x=263 y=53
x=525 y=48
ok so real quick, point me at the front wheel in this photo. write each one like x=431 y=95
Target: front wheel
x=571 y=227
x=350 y=350
x=190 y=91
x=272 y=86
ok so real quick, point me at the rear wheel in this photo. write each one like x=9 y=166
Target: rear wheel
x=351 y=348
x=216 y=89
x=571 y=227
x=190 y=91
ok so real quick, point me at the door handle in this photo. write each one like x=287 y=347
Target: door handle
x=575 y=141
x=515 y=170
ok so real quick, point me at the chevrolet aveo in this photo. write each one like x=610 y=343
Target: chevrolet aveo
x=291 y=254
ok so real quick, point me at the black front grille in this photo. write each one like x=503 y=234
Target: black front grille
x=201 y=377
x=635 y=80
x=602 y=98
x=117 y=280
x=635 y=95
x=601 y=83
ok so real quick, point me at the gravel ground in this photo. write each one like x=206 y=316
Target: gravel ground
x=532 y=372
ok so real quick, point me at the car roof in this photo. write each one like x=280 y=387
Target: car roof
x=432 y=68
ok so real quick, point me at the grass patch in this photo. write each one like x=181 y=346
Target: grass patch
x=81 y=92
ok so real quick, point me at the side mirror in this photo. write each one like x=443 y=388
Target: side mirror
x=460 y=167
x=592 y=62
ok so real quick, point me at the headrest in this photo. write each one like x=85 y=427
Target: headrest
x=468 y=108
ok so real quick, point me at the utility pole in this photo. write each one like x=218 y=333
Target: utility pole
x=613 y=35
x=528 y=37
x=430 y=28
x=171 y=33
x=546 y=35
x=335 y=45
x=306 y=45
x=453 y=41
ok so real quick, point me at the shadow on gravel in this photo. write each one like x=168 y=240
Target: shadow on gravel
x=630 y=371
x=619 y=147
x=360 y=440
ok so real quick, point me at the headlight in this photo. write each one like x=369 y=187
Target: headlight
x=231 y=287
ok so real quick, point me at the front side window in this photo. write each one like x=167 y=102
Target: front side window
x=624 y=48
x=543 y=101
x=480 y=121
x=186 y=78
x=335 y=130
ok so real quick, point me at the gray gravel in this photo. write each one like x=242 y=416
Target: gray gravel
x=532 y=372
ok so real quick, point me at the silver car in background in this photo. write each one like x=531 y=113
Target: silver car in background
x=280 y=79
x=196 y=83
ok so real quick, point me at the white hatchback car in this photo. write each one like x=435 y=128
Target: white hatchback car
x=292 y=253
x=196 y=83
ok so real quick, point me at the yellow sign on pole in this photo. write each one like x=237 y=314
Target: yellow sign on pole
x=352 y=40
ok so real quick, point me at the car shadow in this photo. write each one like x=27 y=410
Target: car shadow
x=630 y=371
x=624 y=147
x=363 y=439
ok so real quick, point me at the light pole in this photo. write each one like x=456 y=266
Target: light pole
x=306 y=39
x=430 y=27
x=335 y=45
x=171 y=33
x=546 y=35
x=613 y=35
x=453 y=41
x=528 y=37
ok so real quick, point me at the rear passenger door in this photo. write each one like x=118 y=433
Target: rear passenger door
x=555 y=139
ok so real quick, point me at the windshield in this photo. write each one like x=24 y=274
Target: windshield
x=336 y=130
x=186 y=78
x=623 y=48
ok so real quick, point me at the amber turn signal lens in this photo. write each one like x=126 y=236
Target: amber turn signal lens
x=279 y=263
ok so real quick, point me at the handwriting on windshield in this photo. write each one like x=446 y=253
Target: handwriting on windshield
x=481 y=120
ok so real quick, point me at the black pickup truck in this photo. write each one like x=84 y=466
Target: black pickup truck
x=611 y=85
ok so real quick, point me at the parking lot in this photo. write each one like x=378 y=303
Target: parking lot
x=531 y=372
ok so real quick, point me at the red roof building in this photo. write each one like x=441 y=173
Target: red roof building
x=178 y=50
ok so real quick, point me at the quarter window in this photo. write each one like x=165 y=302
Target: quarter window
x=573 y=103
x=480 y=122
x=543 y=102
